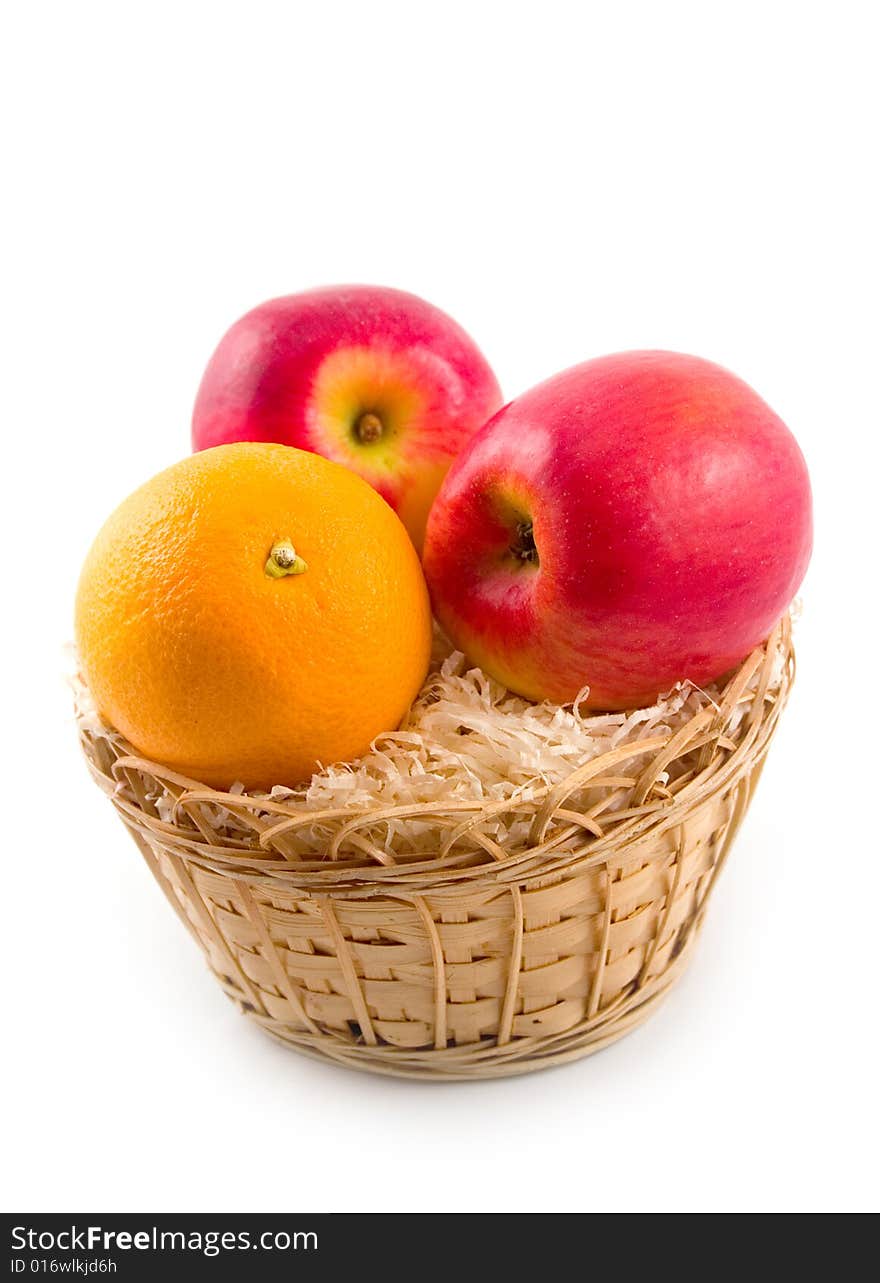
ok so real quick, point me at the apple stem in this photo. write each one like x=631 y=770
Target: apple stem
x=284 y=560
x=369 y=428
x=525 y=549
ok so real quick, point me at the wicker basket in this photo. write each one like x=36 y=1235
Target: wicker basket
x=480 y=962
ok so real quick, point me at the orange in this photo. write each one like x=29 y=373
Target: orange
x=227 y=661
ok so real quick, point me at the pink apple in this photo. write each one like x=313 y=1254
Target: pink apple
x=376 y=379
x=635 y=520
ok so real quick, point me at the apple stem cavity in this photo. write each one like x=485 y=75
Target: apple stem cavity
x=369 y=428
x=284 y=560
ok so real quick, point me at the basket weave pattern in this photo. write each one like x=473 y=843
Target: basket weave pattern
x=479 y=961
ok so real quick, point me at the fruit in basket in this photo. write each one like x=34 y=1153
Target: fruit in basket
x=636 y=520
x=373 y=378
x=250 y=612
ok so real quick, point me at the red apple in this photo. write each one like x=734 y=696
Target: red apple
x=636 y=520
x=373 y=378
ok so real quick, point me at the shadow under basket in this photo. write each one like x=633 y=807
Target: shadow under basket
x=478 y=961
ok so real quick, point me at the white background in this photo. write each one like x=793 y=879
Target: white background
x=566 y=180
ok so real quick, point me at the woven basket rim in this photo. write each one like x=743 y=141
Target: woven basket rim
x=721 y=761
